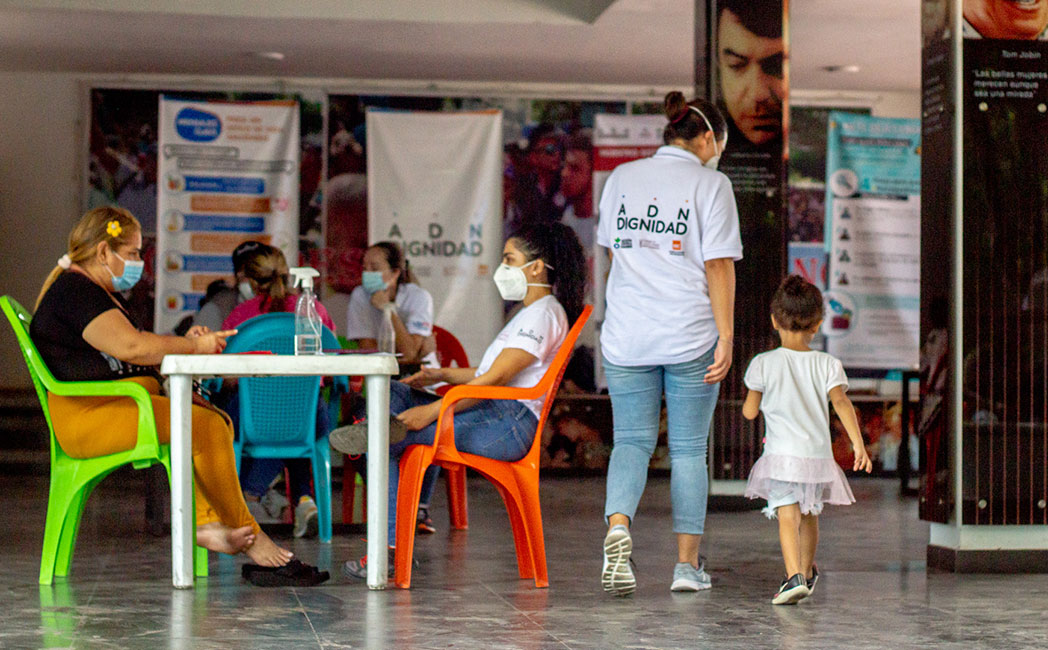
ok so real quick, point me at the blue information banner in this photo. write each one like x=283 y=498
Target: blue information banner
x=873 y=235
x=225 y=184
x=223 y=223
x=207 y=263
x=870 y=156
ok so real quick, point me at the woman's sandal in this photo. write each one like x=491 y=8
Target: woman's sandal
x=292 y=574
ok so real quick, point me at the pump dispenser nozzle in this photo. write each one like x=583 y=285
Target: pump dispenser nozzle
x=303 y=276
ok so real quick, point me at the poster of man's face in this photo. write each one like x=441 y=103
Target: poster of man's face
x=751 y=52
x=1006 y=19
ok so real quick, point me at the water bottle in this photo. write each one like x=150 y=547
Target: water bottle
x=387 y=335
x=307 y=321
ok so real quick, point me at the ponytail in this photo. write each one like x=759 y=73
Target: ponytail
x=267 y=268
x=558 y=246
x=111 y=224
x=686 y=118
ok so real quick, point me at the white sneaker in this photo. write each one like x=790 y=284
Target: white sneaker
x=617 y=575
x=306 y=518
x=688 y=578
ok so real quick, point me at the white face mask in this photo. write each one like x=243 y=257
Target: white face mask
x=246 y=292
x=512 y=283
x=718 y=150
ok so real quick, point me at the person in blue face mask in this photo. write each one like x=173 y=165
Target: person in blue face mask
x=388 y=283
x=218 y=305
x=84 y=331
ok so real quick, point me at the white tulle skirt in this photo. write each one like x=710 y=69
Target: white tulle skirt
x=808 y=482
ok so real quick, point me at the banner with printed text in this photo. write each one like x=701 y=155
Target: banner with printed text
x=873 y=235
x=228 y=172
x=434 y=185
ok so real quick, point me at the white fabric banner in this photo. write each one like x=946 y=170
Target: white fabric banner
x=227 y=172
x=435 y=187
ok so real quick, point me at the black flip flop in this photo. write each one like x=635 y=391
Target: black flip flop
x=292 y=574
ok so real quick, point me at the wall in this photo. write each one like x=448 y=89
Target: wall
x=39 y=190
x=42 y=139
x=880 y=103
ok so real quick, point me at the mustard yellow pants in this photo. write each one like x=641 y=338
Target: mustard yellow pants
x=96 y=426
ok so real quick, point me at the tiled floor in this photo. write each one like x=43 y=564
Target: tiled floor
x=466 y=594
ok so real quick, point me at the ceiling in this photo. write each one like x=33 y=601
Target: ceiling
x=585 y=42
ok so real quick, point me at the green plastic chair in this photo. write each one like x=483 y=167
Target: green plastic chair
x=73 y=479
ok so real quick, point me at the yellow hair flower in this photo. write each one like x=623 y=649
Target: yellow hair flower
x=114 y=229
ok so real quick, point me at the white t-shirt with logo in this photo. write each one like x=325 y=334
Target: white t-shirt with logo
x=663 y=217
x=794 y=387
x=414 y=306
x=538 y=329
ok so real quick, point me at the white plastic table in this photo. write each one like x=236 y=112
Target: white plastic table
x=182 y=368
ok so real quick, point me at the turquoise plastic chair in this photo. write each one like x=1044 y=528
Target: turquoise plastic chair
x=73 y=479
x=278 y=415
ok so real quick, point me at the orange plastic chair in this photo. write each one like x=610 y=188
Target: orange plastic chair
x=449 y=351
x=517 y=481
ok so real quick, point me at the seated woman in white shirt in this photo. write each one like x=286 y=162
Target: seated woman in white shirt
x=387 y=283
x=543 y=267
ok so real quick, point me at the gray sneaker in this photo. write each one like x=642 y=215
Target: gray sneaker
x=617 y=576
x=352 y=439
x=259 y=512
x=688 y=578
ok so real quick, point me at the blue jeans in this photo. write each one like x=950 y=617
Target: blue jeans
x=636 y=401
x=257 y=473
x=498 y=429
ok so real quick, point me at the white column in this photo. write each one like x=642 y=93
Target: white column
x=377 y=387
x=182 y=529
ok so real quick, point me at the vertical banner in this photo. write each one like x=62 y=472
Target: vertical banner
x=873 y=212
x=434 y=185
x=617 y=139
x=749 y=60
x=1004 y=296
x=938 y=179
x=228 y=172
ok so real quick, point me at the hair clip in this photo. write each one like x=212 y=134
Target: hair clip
x=113 y=229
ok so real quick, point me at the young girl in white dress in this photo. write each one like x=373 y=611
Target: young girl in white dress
x=797 y=473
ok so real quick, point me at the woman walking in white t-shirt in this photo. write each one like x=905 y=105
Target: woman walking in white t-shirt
x=672 y=228
x=797 y=473
x=542 y=267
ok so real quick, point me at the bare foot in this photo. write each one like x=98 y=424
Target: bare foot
x=265 y=552
x=222 y=539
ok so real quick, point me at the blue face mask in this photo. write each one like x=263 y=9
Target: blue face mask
x=372 y=281
x=131 y=275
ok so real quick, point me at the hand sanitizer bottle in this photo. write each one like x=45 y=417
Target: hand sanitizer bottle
x=307 y=321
